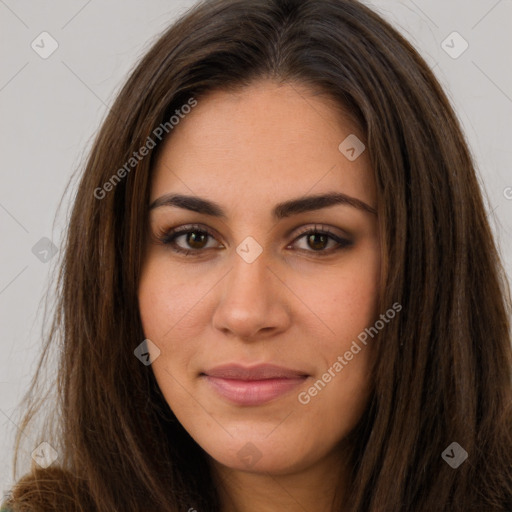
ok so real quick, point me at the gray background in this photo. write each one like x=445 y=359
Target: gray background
x=50 y=109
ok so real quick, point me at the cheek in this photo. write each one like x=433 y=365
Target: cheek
x=327 y=310
x=345 y=298
x=340 y=390
x=170 y=300
x=347 y=305
x=340 y=303
x=360 y=293
x=174 y=313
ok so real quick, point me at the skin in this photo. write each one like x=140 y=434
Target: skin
x=248 y=151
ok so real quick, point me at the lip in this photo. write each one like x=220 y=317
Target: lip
x=254 y=385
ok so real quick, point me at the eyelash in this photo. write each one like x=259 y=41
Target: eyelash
x=169 y=237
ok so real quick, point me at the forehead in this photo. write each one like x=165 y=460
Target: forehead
x=269 y=139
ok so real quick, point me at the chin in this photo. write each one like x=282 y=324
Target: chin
x=281 y=455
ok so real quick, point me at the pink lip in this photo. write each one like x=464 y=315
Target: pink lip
x=255 y=385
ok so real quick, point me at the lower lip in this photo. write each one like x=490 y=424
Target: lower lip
x=253 y=392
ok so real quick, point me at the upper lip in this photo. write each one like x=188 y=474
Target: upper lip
x=259 y=372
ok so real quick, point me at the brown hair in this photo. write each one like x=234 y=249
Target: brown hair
x=442 y=369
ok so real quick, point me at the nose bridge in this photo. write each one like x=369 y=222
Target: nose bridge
x=249 y=300
x=249 y=273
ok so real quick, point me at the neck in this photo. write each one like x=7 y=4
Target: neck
x=320 y=487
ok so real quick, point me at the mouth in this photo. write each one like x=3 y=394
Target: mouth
x=255 y=385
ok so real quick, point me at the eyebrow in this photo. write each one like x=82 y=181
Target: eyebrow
x=281 y=210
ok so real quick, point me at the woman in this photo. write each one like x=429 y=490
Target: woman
x=280 y=290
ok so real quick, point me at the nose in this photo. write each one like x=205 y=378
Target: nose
x=252 y=301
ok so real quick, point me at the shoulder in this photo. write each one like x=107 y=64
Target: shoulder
x=5 y=503
x=47 y=490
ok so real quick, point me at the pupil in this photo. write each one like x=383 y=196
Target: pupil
x=193 y=238
x=316 y=245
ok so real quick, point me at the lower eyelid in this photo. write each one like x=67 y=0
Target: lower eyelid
x=177 y=235
x=339 y=241
x=168 y=237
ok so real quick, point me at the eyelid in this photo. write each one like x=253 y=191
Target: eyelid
x=168 y=235
x=165 y=235
x=324 y=229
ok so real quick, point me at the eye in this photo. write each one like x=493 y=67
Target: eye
x=192 y=239
x=193 y=236
x=318 y=239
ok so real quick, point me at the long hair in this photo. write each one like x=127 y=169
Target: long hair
x=442 y=369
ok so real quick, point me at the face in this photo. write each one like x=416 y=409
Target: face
x=255 y=307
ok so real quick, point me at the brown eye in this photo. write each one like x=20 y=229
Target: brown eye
x=196 y=239
x=193 y=240
x=317 y=241
x=187 y=239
